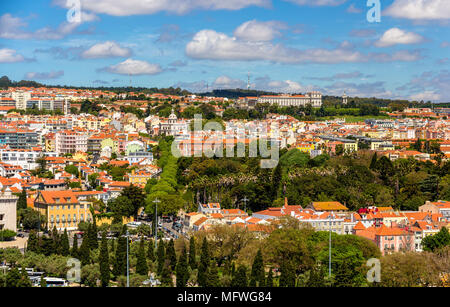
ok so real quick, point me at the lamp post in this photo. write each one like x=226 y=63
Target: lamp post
x=156 y=201
x=128 y=263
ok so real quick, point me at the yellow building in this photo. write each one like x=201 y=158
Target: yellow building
x=50 y=144
x=62 y=209
x=306 y=147
x=139 y=177
x=108 y=220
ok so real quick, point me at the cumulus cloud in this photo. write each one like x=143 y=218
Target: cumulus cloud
x=426 y=96
x=13 y=28
x=254 y=30
x=106 y=50
x=419 y=9
x=349 y=75
x=395 y=36
x=318 y=2
x=10 y=56
x=427 y=85
x=223 y=82
x=44 y=75
x=139 y=7
x=212 y=45
x=134 y=67
x=368 y=89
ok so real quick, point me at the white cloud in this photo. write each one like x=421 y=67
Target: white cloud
x=13 y=28
x=396 y=36
x=254 y=30
x=426 y=96
x=134 y=67
x=140 y=7
x=353 y=9
x=419 y=9
x=10 y=56
x=44 y=75
x=318 y=2
x=225 y=82
x=209 y=44
x=105 y=50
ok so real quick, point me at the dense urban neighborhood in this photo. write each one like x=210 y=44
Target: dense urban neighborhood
x=118 y=180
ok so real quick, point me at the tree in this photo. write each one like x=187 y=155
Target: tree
x=213 y=275
x=33 y=243
x=269 y=280
x=257 y=277
x=120 y=263
x=160 y=255
x=64 y=244
x=204 y=264
x=84 y=252
x=72 y=169
x=287 y=277
x=240 y=277
x=22 y=201
x=12 y=278
x=437 y=241
x=141 y=265
x=192 y=260
x=104 y=262
x=43 y=282
x=170 y=254
x=74 y=251
x=373 y=162
x=151 y=251
x=24 y=281
x=136 y=196
x=166 y=275
x=181 y=269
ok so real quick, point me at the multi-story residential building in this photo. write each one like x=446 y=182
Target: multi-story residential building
x=312 y=98
x=440 y=206
x=62 y=209
x=25 y=158
x=8 y=208
x=18 y=138
x=21 y=98
x=69 y=141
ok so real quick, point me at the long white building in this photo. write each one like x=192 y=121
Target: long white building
x=312 y=98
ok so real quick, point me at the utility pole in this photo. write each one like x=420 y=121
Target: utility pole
x=128 y=264
x=156 y=201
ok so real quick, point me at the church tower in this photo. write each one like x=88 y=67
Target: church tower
x=344 y=99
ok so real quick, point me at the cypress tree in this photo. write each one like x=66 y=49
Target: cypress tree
x=74 y=251
x=213 y=275
x=84 y=252
x=192 y=261
x=269 y=280
x=22 y=201
x=287 y=277
x=257 y=275
x=56 y=241
x=170 y=254
x=166 y=275
x=240 y=278
x=64 y=246
x=141 y=265
x=33 y=243
x=43 y=282
x=204 y=264
x=233 y=269
x=151 y=251
x=104 y=262
x=373 y=162
x=120 y=263
x=182 y=272
x=94 y=234
x=160 y=254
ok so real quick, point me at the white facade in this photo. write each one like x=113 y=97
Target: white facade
x=312 y=98
x=8 y=215
x=21 y=99
x=26 y=159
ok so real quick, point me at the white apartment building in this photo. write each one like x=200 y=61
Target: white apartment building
x=312 y=98
x=21 y=98
x=25 y=158
x=68 y=141
x=8 y=215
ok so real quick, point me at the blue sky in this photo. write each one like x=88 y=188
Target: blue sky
x=286 y=45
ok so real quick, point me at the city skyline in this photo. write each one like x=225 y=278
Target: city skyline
x=287 y=46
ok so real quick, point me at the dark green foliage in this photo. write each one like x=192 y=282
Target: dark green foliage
x=13 y=278
x=160 y=256
x=204 y=264
x=269 y=279
x=170 y=254
x=33 y=243
x=104 y=262
x=288 y=276
x=240 y=277
x=120 y=259
x=213 y=275
x=84 y=251
x=22 y=201
x=141 y=265
x=24 y=281
x=182 y=272
x=166 y=275
x=74 y=250
x=437 y=241
x=192 y=254
x=151 y=251
x=64 y=244
x=257 y=277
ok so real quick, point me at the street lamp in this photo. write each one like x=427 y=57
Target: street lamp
x=128 y=263
x=156 y=201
